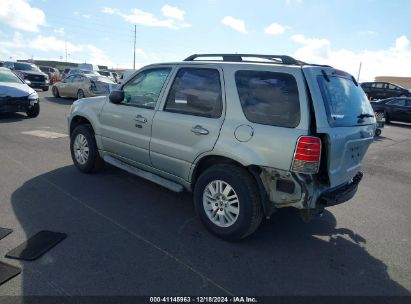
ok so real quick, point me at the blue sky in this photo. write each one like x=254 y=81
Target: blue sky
x=342 y=33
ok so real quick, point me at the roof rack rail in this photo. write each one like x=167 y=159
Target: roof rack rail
x=279 y=59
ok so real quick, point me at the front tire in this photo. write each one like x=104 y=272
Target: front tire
x=84 y=151
x=34 y=111
x=45 y=89
x=377 y=132
x=227 y=201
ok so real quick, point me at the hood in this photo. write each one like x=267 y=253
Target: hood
x=29 y=72
x=14 y=89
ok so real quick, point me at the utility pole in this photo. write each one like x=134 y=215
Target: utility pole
x=359 y=71
x=134 y=60
x=65 y=46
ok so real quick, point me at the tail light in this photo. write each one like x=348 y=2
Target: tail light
x=307 y=155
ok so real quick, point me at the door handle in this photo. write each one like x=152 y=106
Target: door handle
x=141 y=119
x=199 y=130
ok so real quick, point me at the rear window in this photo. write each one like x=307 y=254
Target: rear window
x=344 y=102
x=269 y=98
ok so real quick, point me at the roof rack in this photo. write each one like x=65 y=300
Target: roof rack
x=278 y=59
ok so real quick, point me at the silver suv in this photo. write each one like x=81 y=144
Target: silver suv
x=247 y=134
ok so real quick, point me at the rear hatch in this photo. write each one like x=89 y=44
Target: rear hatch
x=344 y=120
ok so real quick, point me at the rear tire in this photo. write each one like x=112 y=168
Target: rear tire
x=377 y=132
x=234 y=210
x=84 y=151
x=34 y=111
x=55 y=92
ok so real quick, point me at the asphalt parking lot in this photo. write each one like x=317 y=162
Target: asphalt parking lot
x=127 y=236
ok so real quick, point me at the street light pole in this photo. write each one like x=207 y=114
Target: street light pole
x=359 y=71
x=134 y=59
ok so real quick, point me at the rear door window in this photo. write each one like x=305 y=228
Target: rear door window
x=196 y=91
x=346 y=104
x=269 y=98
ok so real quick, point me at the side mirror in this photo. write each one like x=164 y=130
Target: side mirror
x=27 y=81
x=116 y=96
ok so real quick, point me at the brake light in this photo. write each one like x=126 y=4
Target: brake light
x=307 y=155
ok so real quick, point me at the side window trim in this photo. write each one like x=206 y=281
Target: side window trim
x=172 y=78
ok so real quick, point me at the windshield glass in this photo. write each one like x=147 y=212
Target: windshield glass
x=6 y=76
x=25 y=67
x=346 y=103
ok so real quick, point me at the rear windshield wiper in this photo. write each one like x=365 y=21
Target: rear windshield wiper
x=364 y=115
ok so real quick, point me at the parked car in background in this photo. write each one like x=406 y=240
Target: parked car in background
x=108 y=74
x=83 y=85
x=382 y=90
x=395 y=108
x=88 y=66
x=246 y=137
x=82 y=71
x=31 y=72
x=124 y=76
x=53 y=73
x=16 y=95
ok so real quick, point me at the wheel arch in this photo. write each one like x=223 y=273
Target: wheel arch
x=80 y=120
x=254 y=171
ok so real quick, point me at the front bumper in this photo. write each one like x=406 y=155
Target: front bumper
x=340 y=194
x=39 y=84
x=15 y=105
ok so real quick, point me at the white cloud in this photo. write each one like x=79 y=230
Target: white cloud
x=59 y=31
x=110 y=11
x=236 y=24
x=21 y=15
x=275 y=29
x=315 y=47
x=172 y=12
x=402 y=43
x=85 y=16
x=174 y=17
x=54 y=48
x=51 y=43
x=394 y=61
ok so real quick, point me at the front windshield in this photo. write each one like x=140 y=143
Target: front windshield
x=25 y=67
x=6 y=76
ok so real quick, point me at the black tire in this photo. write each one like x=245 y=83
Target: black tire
x=250 y=209
x=377 y=132
x=34 y=111
x=80 y=94
x=45 y=89
x=387 y=119
x=55 y=92
x=94 y=162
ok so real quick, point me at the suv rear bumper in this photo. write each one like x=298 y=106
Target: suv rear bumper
x=340 y=194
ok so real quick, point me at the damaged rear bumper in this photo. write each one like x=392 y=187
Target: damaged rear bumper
x=340 y=194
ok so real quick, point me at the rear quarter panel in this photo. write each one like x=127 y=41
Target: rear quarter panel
x=269 y=146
